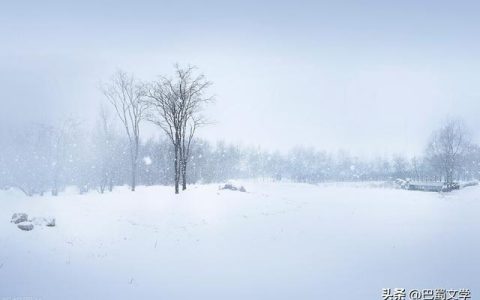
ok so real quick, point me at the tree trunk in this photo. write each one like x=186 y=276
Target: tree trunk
x=184 y=174
x=134 y=167
x=133 y=177
x=55 y=189
x=177 y=170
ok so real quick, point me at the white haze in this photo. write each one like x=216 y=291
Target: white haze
x=313 y=74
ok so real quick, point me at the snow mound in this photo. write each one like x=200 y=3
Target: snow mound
x=232 y=187
x=40 y=221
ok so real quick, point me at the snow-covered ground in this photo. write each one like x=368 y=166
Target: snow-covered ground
x=277 y=241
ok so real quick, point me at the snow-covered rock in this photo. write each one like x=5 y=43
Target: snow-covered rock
x=24 y=223
x=19 y=217
x=26 y=226
x=232 y=187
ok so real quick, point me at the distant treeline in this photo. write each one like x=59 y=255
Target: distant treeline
x=41 y=159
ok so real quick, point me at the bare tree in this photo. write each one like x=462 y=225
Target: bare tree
x=400 y=166
x=64 y=138
x=415 y=167
x=127 y=97
x=176 y=105
x=191 y=93
x=104 y=139
x=447 y=146
x=165 y=113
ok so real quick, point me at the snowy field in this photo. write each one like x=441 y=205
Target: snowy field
x=277 y=241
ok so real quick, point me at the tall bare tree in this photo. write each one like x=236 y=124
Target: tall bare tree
x=126 y=95
x=176 y=104
x=165 y=113
x=191 y=93
x=447 y=147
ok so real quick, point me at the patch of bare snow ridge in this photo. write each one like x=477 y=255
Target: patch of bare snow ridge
x=278 y=241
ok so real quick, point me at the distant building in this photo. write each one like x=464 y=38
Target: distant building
x=425 y=186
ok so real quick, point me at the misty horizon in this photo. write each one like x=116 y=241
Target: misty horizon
x=315 y=75
x=239 y=149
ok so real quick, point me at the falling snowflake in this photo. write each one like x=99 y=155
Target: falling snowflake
x=147 y=160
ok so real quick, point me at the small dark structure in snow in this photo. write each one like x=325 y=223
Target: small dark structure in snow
x=430 y=186
x=425 y=186
x=469 y=183
x=229 y=186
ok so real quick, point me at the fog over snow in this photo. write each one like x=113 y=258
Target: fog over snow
x=339 y=160
x=370 y=77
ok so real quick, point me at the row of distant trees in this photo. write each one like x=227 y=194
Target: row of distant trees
x=41 y=159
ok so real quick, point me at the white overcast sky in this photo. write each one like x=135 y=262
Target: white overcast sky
x=367 y=76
